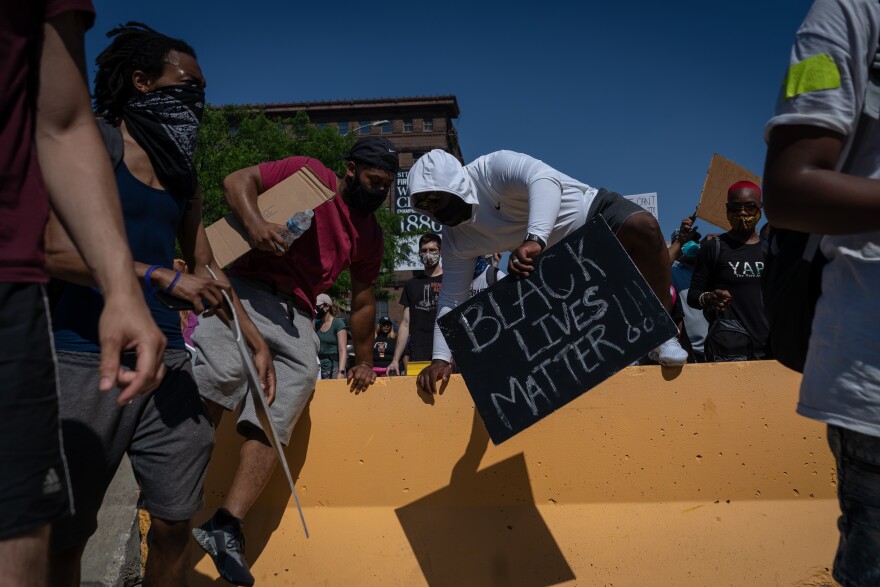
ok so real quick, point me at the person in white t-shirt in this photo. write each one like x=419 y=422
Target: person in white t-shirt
x=822 y=176
x=511 y=201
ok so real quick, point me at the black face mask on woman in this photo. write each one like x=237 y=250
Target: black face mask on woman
x=165 y=123
x=364 y=199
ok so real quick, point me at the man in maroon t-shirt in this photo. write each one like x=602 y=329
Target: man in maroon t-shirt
x=278 y=287
x=51 y=152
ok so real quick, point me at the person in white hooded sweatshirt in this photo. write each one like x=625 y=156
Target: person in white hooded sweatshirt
x=511 y=201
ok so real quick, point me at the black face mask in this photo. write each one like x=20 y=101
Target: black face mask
x=363 y=198
x=320 y=313
x=454 y=213
x=165 y=123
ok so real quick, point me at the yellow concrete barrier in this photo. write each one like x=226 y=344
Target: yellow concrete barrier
x=704 y=478
x=413 y=368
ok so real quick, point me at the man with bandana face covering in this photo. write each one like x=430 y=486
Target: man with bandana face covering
x=279 y=285
x=730 y=283
x=419 y=301
x=149 y=93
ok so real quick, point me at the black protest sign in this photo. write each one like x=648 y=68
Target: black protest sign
x=527 y=347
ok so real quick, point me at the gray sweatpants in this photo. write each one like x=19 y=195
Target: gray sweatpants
x=290 y=334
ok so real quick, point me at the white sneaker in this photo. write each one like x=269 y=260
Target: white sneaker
x=669 y=354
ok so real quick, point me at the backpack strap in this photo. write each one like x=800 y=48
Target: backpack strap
x=112 y=136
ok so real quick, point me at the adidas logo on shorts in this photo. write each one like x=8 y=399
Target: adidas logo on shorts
x=52 y=482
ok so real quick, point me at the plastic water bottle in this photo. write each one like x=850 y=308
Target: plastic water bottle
x=297 y=225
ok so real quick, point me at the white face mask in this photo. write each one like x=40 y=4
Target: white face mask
x=429 y=259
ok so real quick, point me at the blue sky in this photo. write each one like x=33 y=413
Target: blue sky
x=632 y=96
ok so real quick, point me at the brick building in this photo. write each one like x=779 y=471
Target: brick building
x=415 y=125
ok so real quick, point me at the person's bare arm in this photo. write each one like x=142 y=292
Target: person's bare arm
x=802 y=191
x=342 y=351
x=363 y=317
x=82 y=192
x=402 y=337
x=683 y=235
x=241 y=189
x=674 y=250
x=64 y=262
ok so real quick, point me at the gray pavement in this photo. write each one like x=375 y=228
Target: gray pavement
x=113 y=555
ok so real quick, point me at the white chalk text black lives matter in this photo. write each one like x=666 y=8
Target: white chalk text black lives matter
x=526 y=348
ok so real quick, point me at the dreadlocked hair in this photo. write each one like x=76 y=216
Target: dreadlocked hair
x=135 y=47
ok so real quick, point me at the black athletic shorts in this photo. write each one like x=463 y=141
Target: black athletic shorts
x=33 y=478
x=614 y=208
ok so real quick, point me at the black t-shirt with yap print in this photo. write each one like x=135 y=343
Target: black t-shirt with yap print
x=737 y=269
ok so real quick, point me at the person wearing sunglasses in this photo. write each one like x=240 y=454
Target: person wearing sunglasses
x=726 y=283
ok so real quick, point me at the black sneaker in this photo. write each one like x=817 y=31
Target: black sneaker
x=222 y=538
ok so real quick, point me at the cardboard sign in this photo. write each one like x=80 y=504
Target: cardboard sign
x=527 y=347
x=713 y=199
x=299 y=192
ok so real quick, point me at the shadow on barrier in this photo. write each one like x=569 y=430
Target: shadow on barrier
x=469 y=534
x=265 y=516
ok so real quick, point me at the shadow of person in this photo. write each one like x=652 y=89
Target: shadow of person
x=427 y=396
x=670 y=373
x=266 y=513
x=483 y=528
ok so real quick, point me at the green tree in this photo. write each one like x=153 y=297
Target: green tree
x=235 y=137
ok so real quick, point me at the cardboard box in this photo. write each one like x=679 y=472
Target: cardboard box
x=301 y=191
x=713 y=200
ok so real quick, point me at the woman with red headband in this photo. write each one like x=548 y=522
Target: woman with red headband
x=726 y=283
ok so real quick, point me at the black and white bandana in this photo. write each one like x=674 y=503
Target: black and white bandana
x=165 y=123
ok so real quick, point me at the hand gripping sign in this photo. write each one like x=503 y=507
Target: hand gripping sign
x=260 y=405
